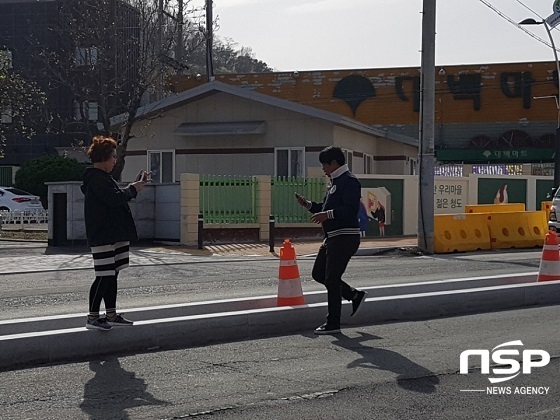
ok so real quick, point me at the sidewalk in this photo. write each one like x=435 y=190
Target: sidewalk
x=368 y=246
x=35 y=256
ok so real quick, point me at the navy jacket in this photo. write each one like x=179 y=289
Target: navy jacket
x=107 y=214
x=342 y=204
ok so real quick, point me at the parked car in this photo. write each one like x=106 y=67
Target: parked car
x=554 y=214
x=13 y=199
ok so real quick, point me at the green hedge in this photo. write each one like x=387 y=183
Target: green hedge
x=32 y=175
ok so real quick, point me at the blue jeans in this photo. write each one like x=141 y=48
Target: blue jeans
x=330 y=264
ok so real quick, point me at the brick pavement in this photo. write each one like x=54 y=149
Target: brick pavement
x=36 y=256
x=302 y=247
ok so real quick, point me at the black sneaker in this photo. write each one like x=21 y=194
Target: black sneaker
x=357 y=302
x=327 y=329
x=98 y=324
x=119 y=321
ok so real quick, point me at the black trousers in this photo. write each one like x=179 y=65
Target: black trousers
x=104 y=288
x=330 y=264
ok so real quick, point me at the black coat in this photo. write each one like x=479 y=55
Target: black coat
x=107 y=214
x=343 y=198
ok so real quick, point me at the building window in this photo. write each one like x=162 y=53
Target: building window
x=413 y=166
x=6 y=58
x=86 y=56
x=368 y=164
x=90 y=111
x=161 y=164
x=6 y=62
x=290 y=162
x=6 y=116
x=349 y=155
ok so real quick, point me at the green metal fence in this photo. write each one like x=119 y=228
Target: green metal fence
x=228 y=199
x=284 y=204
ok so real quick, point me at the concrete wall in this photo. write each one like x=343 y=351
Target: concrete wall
x=75 y=226
x=170 y=211
x=151 y=220
x=166 y=210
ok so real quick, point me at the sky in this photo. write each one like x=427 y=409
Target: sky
x=308 y=35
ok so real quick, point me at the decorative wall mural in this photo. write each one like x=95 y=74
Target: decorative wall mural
x=353 y=90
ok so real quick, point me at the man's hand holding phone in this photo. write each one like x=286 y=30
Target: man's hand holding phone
x=302 y=201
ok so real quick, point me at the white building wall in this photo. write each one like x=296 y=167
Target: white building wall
x=375 y=146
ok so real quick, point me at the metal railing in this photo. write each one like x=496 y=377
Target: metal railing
x=23 y=217
x=228 y=199
x=234 y=199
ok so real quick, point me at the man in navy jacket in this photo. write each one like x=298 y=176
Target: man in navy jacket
x=338 y=216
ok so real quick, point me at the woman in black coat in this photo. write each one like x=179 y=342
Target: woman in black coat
x=109 y=230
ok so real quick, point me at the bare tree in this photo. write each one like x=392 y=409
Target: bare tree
x=21 y=103
x=227 y=58
x=116 y=55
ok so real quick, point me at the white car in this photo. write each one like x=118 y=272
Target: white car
x=15 y=200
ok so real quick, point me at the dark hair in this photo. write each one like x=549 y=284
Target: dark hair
x=101 y=148
x=330 y=153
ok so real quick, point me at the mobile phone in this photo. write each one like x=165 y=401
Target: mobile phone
x=140 y=175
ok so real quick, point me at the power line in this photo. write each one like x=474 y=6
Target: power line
x=529 y=9
x=513 y=22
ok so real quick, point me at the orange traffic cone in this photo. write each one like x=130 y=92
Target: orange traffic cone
x=289 y=284
x=549 y=268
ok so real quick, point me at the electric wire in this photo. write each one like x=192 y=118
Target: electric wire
x=516 y=24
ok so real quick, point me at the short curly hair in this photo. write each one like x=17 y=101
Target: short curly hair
x=101 y=148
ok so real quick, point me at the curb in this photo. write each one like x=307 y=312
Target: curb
x=205 y=323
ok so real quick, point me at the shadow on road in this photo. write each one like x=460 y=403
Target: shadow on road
x=113 y=390
x=411 y=376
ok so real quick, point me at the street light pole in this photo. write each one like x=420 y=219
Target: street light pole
x=531 y=21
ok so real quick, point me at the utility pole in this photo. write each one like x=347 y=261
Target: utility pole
x=179 y=44
x=209 y=41
x=159 y=52
x=426 y=131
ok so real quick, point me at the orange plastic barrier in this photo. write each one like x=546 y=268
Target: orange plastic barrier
x=525 y=229
x=460 y=232
x=549 y=268
x=289 y=282
x=494 y=208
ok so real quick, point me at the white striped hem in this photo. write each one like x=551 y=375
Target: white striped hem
x=115 y=257
x=343 y=231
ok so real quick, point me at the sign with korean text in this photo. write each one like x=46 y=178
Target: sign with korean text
x=489 y=155
x=450 y=195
